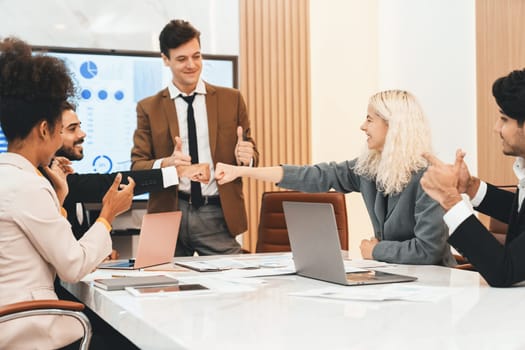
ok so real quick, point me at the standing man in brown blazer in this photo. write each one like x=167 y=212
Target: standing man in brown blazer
x=192 y=121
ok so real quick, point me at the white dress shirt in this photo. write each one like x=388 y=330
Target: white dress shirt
x=201 y=124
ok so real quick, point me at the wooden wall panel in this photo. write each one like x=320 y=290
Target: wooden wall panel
x=500 y=46
x=275 y=81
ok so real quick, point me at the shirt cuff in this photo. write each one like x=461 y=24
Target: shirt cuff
x=457 y=214
x=105 y=222
x=157 y=164
x=170 y=177
x=482 y=191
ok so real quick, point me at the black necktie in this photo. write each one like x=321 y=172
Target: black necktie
x=196 y=193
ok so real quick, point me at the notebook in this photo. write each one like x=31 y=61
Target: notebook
x=316 y=250
x=120 y=283
x=157 y=242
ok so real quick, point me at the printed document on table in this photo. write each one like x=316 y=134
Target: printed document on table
x=381 y=293
x=265 y=262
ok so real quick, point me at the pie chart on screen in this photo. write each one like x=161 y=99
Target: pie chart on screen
x=102 y=164
x=88 y=69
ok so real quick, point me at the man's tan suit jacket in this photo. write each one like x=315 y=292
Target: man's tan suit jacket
x=154 y=138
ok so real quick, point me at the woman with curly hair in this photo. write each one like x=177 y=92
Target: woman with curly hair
x=408 y=224
x=36 y=241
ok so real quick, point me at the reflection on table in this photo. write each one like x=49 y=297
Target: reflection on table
x=459 y=311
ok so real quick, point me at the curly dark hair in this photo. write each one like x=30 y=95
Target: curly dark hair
x=176 y=33
x=509 y=92
x=32 y=88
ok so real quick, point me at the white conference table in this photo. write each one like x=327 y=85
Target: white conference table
x=266 y=316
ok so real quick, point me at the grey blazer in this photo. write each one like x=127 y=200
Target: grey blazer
x=412 y=231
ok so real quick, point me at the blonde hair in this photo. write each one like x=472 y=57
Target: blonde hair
x=407 y=138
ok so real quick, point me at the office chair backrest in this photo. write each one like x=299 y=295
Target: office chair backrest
x=273 y=235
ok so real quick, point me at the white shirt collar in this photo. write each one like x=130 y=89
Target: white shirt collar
x=519 y=169
x=175 y=92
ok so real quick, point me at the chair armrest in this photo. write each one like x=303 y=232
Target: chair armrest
x=49 y=307
x=468 y=267
x=39 y=305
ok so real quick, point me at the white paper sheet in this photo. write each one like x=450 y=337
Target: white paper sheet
x=404 y=292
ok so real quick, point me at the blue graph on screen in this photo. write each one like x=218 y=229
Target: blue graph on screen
x=88 y=69
x=3 y=142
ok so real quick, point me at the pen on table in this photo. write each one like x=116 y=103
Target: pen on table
x=118 y=276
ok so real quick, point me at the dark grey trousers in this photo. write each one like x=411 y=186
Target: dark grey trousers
x=204 y=231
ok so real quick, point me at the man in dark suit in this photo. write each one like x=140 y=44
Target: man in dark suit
x=500 y=265
x=92 y=187
x=190 y=120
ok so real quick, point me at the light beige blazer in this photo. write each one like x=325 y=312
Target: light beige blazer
x=36 y=243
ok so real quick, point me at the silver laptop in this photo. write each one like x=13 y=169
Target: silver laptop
x=316 y=250
x=157 y=242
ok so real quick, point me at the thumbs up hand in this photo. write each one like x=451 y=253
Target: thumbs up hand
x=243 y=149
x=177 y=158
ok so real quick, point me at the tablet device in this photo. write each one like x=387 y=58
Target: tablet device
x=167 y=289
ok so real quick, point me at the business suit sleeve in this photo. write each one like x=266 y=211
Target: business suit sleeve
x=500 y=265
x=50 y=234
x=142 y=154
x=93 y=187
x=320 y=177
x=502 y=210
x=423 y=243
x=145 y=180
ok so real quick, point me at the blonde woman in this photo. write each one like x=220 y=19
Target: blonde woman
x=408 y=224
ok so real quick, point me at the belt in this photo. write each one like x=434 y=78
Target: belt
x=208 y=200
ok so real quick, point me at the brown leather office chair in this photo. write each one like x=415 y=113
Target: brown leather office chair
x=273 y=235
x=49 y=307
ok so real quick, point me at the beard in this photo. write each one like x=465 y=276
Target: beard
x=70 y=153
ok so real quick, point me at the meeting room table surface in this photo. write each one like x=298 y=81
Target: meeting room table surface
x=444 y=309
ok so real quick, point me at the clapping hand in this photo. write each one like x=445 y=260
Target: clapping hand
x=441 y=181
x=117 y=199
x=57 y=173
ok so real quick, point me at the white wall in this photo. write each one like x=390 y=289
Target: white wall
x=428 y=47
x=344 y=59
x=119 y=24
x=424 y=46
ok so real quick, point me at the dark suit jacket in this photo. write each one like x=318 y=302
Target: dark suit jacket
x=92 y=188
x=157 y=126
x=501 y=266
